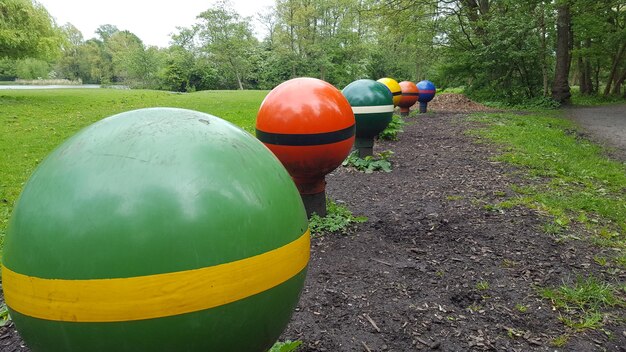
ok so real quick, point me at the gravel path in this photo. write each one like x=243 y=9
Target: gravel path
x=606 y=124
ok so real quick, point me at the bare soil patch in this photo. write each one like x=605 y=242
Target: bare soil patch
x=434 y=269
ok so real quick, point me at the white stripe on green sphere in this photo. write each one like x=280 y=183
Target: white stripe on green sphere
x=372 y=109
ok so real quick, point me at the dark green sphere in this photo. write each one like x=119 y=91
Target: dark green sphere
x=372 y=104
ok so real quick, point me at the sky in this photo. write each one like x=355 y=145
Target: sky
x=151 y=20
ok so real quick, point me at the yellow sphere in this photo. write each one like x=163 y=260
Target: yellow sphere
x=394 y=87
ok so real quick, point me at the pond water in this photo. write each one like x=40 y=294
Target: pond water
x=16 y=86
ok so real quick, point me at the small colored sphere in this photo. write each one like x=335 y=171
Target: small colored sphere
x=156 y=230
x=372 y=104
x=409 y=94
x=394 y=88
x=309 y=126
x=426 y=91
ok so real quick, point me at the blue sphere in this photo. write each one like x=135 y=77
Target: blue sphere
x=426 y=90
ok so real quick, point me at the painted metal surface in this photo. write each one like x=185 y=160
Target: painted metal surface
x=394 y=88
x=309 y=125
x=372 y=104
x=409 y=96
x=156 y=230
x=427 y=92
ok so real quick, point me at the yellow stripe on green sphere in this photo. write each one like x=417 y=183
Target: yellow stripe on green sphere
x=156 y=230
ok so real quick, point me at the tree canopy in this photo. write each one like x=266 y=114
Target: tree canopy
x=505 y=50
x=27 y=30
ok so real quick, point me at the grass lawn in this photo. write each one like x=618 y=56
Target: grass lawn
x=34 y=122
x=579 y=183
x=574 y=183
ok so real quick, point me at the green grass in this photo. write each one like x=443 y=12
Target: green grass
x=482 y=285
x=559 y=341
x=34 y=122
x=521 y=308
x=576 y=182
x=581 y=304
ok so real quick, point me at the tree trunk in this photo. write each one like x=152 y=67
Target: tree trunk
x=544 y=63
x=587 y=69
x=597 y=77
x=560 y=86
x=617 y=87
x=613 y=75
x=579 y=74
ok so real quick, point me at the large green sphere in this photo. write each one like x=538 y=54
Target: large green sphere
x=372 y=104
x=156 y=230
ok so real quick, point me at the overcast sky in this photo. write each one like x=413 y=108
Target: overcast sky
x=150 y=20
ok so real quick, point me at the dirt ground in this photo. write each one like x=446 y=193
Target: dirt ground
x=432 y=268
x=413 y=276
x=605 y=124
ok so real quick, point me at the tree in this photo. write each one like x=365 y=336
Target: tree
x=227 y=39
x=69 y=65
x=105 y=31
x=560 y=86
x=124 y=48
x=27 y=30
x=30 y=68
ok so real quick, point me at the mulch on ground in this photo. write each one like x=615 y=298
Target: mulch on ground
x=433 y=268
x=454 y=102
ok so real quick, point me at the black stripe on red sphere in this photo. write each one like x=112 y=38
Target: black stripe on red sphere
x=411 y=94
x=293 y=139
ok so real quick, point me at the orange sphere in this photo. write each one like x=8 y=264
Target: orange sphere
x=309 y=125
x=409 y=96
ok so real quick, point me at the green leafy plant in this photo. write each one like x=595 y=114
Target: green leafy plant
x=287 y=346
x=5 y=318
x=338 y=219
x=393 y=129
x=369 y=164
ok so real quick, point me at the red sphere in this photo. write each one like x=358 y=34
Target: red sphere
x=410 y=94
x=309 y=125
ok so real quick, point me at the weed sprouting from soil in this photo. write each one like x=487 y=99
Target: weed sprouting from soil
x=393 y=129
x=482 y=285
x=287 y=346
x=581 y=304
x=338 y=219
x=559 y=341
x=521 y=308
x=602 y=261
x=369 y=164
